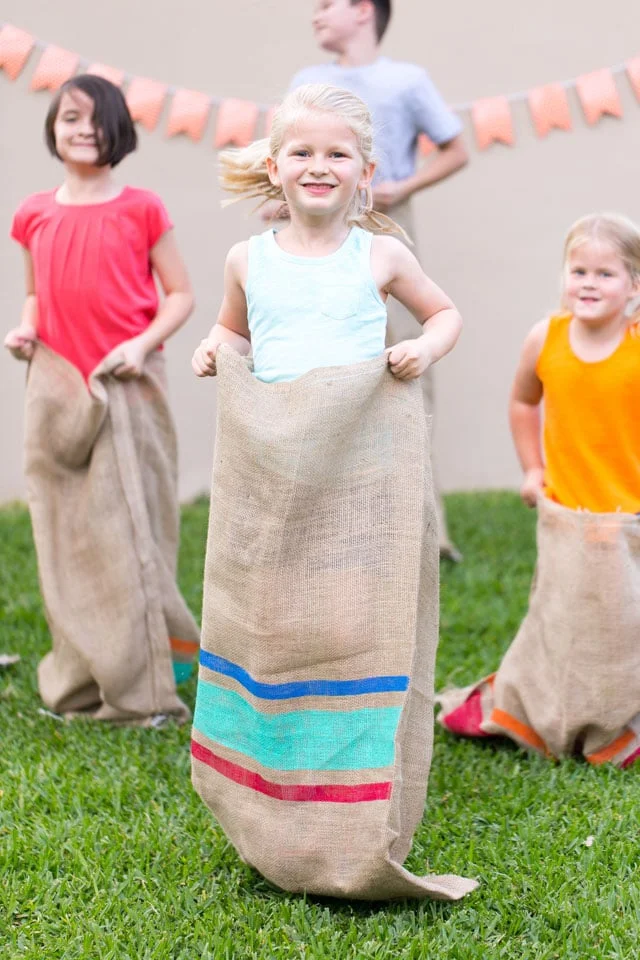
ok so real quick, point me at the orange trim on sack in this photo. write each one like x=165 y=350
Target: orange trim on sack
x=520 y=730
x=608 y=753
x=189 y=647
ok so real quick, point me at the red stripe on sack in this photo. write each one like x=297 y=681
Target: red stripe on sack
x=608 y=753
x=319 y=793
x=466 y=720
x=632 y=759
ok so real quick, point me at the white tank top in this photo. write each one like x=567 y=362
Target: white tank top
x=307 y=312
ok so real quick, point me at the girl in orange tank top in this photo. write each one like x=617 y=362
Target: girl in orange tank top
x=569 y=684
x=585 y=365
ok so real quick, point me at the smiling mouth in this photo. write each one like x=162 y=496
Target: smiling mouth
x=319 y=188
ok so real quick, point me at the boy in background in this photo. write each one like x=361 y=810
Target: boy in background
x=404 y=103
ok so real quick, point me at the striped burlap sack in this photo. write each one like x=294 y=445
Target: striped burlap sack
x=314 y=716
x=101 y=481
x=570 y=681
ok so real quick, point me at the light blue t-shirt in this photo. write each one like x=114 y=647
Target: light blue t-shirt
x=403 y=102
x=307 y=312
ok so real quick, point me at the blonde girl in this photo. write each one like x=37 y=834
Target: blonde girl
x=313 y=294
x=570 y=681
x=584 y=363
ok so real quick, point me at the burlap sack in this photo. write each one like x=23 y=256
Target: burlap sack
x=313 y=723
x=101 y=480
x=570 y=681
x=402 y=325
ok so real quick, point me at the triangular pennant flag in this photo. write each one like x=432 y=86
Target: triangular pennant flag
x=425 y=145
x=633 y=72
x=15 y=47
x=188 y=113
x=492 y=121
x=108 y=73
x=56 y=66
x=236 y=122
x=145 y=99
x=549 y=108
x=598 y=95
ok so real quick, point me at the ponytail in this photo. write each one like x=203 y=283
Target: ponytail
x=244 y=173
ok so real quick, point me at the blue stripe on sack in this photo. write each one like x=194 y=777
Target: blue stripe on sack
x=299 y=739
x=302 y=688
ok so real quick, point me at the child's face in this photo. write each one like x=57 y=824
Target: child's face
x=336 y=22
x=75 y=134
x=319 y=166
x=597 y=284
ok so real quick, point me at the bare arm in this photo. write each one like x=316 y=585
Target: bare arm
x=404 y=279
x=20 y=341
x=448 y=159
x=524 y=414
x=176 y=307
x=231 y=326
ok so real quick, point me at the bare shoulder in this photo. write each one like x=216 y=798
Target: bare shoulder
x=393 y=254
x=237 y=260
x=534 y=341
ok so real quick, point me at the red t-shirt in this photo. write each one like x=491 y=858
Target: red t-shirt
x=93 y=277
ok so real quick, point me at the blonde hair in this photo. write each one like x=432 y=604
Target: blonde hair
x=620 y=232
x=612 y=228
x=244 y=172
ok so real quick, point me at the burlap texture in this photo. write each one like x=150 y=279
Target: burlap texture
x=570 y=681
x=101 y=480
x=314 y=717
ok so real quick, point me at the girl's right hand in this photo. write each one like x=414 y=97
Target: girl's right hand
x=204 y=359
x=20 y=342
x=532 y=486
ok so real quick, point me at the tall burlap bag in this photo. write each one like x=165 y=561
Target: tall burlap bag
x=314 y=716
x=100 y=461
x=570 y=681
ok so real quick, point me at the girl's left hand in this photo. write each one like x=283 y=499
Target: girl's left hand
x=408 y=359
x=134 y=354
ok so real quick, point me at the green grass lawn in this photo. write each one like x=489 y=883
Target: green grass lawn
x=106 y=853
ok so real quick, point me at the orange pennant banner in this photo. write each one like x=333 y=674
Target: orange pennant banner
x=56 y=66
x=549 y=108
x=492 y=122
x=633 y=72
x=425 y=145
x=108 y=73
x=188 y=114
x=598 y=95
x=145 y=99
x=236 y=123
x=15 y=47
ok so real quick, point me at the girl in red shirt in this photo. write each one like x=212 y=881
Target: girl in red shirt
x=91 y=250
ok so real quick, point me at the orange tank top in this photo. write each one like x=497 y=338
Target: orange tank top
x=591 y=423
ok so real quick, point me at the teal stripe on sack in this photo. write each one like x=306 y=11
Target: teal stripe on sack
x=300 y=739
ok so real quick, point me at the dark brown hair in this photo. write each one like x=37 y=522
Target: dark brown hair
x=383 y=15
x=112 y=121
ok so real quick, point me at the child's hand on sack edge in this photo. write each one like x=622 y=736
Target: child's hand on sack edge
x=204 y=359
x=532 y=486
x=20 y=342
x=408 y=359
